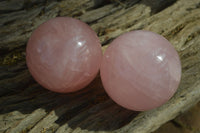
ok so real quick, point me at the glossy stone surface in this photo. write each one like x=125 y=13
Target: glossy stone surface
x=140 y=70
x=63 y=54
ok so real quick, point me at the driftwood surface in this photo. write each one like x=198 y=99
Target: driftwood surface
x=27 y=107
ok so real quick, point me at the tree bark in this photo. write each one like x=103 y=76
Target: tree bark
x=27 y=107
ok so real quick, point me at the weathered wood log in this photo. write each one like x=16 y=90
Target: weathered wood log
x=26 y=107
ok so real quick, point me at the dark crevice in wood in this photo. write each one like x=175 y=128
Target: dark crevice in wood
x=158 y=6
x=176 y=124
x=130 y=3
x=110 y=116
x=100 y=3
x=11 y=5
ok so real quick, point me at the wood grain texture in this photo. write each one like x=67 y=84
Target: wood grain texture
x=27 y=107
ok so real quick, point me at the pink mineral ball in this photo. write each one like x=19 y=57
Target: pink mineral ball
x=140 y=70
x=63 y=54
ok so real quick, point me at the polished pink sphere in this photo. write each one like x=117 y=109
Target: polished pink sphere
x=63 y=54
x=140 y=70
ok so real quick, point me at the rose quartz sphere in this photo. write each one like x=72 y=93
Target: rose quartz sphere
x=140 y=70
x=63 y=54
